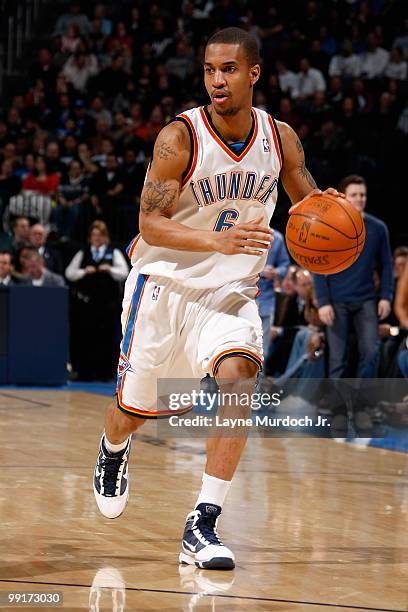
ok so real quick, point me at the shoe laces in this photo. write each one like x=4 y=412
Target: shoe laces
x=207 y=527
x=111 y=467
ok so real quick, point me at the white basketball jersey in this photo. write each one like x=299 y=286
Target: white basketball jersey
x=221 y=189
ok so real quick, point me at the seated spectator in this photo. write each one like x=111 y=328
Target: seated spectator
x=9 y=185
x=70 y=39
x=26 y=168
x=74 y=17
x=289 y=318
x=99 y=111
x=347 y=65
x=397 y=66
x=306 y=356
x=374 y=61
x=79 y=69
x=41 y=181
x=7 y=277
x=38 y=273
x=276 y=267
x=120 y=39
x=73 y=193
x=310 y=80
x=19 y=236
x=52 y=159
x=100 y=13
x=96 y=273
x=38 y=240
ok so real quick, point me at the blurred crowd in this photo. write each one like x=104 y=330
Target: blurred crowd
x=75 y=141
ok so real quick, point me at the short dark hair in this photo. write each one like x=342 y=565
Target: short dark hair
x=238 y=36
x=351 y=179
x=400 y=251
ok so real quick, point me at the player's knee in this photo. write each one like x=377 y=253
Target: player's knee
x=237 y=369
x=128 y=422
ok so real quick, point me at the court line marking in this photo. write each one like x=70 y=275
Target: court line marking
x=223 y=595
x=23 y=399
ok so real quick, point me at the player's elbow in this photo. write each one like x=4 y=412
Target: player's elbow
x=148 y=229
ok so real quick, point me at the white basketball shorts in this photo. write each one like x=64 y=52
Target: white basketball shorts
x=173 y=331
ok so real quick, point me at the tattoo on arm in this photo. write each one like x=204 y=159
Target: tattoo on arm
x=165 y=151
x=157 y=195
x=303 y=171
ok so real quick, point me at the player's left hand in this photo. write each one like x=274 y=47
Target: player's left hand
x=384 y=309
x=328 y=191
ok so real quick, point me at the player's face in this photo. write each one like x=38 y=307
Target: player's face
x=357 y=195
x=228 y=78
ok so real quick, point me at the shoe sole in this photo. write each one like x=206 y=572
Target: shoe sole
x=217 y=563
x=110 y=517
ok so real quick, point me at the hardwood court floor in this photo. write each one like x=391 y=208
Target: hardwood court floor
x=315 y=525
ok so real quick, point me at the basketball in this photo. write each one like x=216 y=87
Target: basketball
x=325 y=234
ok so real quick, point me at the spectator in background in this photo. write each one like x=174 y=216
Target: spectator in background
x=41 y=181
x=401 y=310
x=346 y=65
x=397 y=66
x=96 y=273
x=19 y=237
x=289 y=318
x=79 y=69
x=107 y=188
x=72 y=196
x=310 y=80
x=276 y=267
x=38 y=240
x=288 y=80
x=374 y=60
x=349 y=298
x=52 y=159
x=7 y=278
x=9 y=185
x=45 y=70
x=74 y=17
x=38 y=273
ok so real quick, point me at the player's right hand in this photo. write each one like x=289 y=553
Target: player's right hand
x=326 y=315
x=252 y=238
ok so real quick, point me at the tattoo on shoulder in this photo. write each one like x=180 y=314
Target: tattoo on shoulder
x=157 y=195
x=299 y=146
x=165 y=151
x=304 y=173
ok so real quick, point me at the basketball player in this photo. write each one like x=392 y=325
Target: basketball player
x=189 y=307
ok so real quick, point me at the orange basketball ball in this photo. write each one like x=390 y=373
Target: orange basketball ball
x=325 y=234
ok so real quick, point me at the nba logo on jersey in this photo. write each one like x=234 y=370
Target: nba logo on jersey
x=155 y=294
x=266 y=146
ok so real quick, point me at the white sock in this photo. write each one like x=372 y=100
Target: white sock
x=213 y=490
x=114 y=448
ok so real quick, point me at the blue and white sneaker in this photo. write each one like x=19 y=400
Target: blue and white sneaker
x=201 y=545
x=111 y=481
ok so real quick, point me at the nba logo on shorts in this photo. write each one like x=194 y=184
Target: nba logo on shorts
x=266 y=147
x=155 y=294
x=123 y=364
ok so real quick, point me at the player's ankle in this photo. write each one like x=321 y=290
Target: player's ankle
x=213 y=490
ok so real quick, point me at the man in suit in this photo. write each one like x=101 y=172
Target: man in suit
x=38 y=239
x=40 y=276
